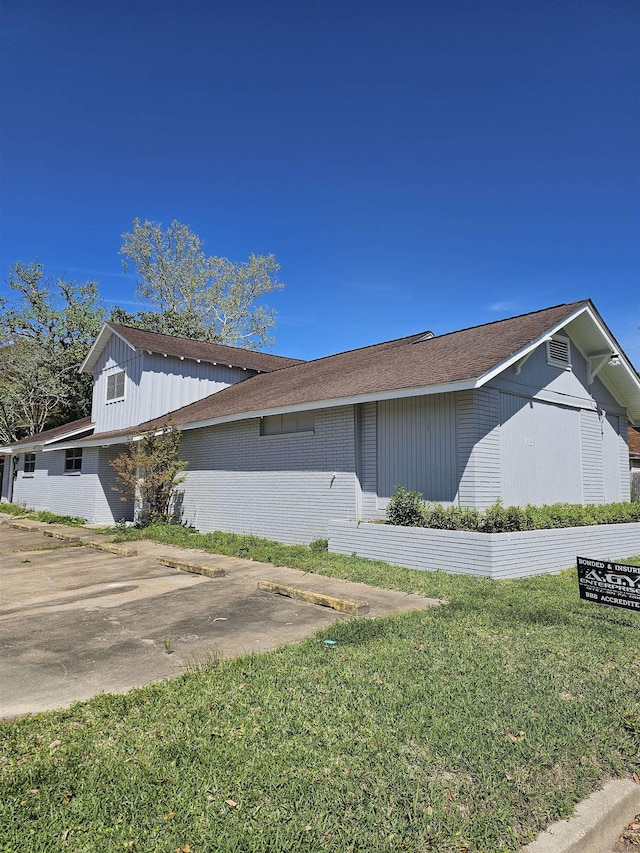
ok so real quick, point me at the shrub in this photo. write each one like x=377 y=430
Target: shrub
x=405 y=508
x=409 y=510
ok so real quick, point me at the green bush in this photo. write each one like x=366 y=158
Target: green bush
x=409 y=510
x=405 y=508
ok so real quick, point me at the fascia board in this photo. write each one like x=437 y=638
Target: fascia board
x=24 y=448
x=534 y=344
x=98 y=345
x=67 y=435
x=98 y=442
x=371 y=397
x=42 y=445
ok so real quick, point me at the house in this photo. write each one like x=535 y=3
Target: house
x=531 y=409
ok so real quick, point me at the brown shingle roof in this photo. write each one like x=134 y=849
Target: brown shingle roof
x=58 y=432
x=188 y=348
x=392 y=366
x=634 y=441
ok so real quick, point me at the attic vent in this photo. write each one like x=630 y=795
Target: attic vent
x=115 y=386
x=559 y=352
x=426 y=337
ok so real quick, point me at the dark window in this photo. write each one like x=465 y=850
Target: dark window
x=73 y=459
x=115 y=386
x=29 y=463
x=289 y=422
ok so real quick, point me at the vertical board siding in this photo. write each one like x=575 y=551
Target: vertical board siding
x=540 y=450
x=154 y=384
x=417 y=446
x=283 y=487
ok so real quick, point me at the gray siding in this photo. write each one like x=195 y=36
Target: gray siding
x=592 y=457
x=109 y=506
x=416 y=446
x=284 y=487
x=87 y=494
x=49 y=488
x=368 y=462
x=478 y=424
x=611 y=441
x=540 y=452
x=153 y=384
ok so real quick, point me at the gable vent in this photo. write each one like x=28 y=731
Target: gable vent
x=559 y=352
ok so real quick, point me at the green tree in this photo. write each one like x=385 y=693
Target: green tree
x=192 y=295
x=45 y=333
x=149 y=473
x=31 y=393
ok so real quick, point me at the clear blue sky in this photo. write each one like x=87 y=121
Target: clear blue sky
x=412 y=165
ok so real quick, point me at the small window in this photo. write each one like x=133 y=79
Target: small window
x=115 y=386
x=29 y=463
x=559 y=351
x=73 y=460
x=287 y=423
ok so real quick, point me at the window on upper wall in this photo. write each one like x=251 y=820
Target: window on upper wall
x=115 y=386
x=73 y=460
x=29 y=463
x=559 y=351
x=287 y=423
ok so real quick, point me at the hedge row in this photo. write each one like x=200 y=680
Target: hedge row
x=408 y=509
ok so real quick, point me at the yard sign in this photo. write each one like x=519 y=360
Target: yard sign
x=604 y=582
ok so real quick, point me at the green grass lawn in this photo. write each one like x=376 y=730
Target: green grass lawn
x=466 y=727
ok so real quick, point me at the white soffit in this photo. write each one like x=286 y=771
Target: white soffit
x=587 y=329
x=98 y=346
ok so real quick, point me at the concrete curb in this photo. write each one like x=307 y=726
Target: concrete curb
x=342 y=605
x=207 y=571
x=598 y=823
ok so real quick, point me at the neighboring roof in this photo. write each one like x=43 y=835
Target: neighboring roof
x=50 y=436
x=634 y=442
x=184 y=348
x=405 y=367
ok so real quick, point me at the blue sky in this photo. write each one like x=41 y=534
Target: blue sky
x=412 y=165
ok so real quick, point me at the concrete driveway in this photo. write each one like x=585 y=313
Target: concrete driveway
x=76 y=621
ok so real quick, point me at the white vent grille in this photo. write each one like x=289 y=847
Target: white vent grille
x=559 y=352
x=115 y=386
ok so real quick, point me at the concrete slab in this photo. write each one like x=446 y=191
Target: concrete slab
x=75 y=621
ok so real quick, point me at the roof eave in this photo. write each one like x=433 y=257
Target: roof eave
x=333 y=402
x=98 y=346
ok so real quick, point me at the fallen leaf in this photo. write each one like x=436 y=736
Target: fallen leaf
x=232 y=803
x=67 y=799
x=308 y=828
x=636 y=778
x=54 y=744
x=169 y=815
x=210 y=798
x=516 y=738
